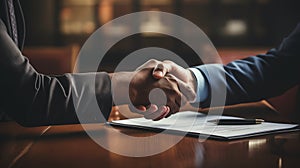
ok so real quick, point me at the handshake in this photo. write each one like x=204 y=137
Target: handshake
x=156 y=89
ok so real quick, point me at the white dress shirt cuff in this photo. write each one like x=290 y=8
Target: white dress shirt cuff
x=201 y=89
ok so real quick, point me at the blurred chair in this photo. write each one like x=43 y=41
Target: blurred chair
x=52 y=60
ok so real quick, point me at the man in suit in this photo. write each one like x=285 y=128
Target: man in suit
x=34 y=99
x=251 y=79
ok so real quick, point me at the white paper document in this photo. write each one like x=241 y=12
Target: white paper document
x=194 y=123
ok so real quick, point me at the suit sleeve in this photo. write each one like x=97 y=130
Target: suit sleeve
x=34 y=99
x=257 y=77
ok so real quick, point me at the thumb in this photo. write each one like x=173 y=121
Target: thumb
x=160 y=71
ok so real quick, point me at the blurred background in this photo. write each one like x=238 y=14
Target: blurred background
x=60 y=27
x=238 y=23
x=244 y=26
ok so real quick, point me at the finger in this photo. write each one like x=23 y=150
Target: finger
x=151 y=109
x=176 y=69
x=158 y=73
x=136 y=109
x=184 y=88
x=174 y=102
x=174 y=108
x=142 y=109
x=161 y=70
x=174 y=96
x=157 y=114
x=167 y=111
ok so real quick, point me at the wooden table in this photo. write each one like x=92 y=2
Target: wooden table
x=70 y=146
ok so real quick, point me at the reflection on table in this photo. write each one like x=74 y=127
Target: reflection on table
x=70 y=146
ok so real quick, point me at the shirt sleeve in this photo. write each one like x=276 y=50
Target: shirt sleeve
x=202 y=89
x=34 y=99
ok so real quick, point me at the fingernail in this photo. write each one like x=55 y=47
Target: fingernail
x=158 y=73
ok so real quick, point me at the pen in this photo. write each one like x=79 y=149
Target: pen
x=237 y=121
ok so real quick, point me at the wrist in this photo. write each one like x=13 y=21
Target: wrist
x=192 y=80
x=195 y=76
x=120 y=87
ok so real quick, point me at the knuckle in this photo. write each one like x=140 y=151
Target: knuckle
x=153 y=61
x=169 y=62
x=160 y=66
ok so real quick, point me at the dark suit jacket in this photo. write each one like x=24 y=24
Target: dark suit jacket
x=257 y=77
x=34 y=99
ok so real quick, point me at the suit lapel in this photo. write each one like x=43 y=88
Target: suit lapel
x=13 y=19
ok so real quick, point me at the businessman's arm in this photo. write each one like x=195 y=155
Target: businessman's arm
x=35 y=99
x=257 y=77
x=250 y=79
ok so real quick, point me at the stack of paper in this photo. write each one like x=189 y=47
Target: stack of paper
x=197 y=124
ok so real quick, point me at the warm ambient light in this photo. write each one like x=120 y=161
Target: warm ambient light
x=280 y=162
x=106 y=11
x=235 y=28
x=255 y=144
x=153 y=23
x=77 y=17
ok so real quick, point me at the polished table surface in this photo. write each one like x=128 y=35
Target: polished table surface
x=70 y=146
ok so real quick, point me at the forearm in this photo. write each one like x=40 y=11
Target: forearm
x=252 y=79
x=66 y=99
x=33 y=99
x=257 y=77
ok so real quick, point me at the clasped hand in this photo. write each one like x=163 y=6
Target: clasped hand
x=156 y=89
